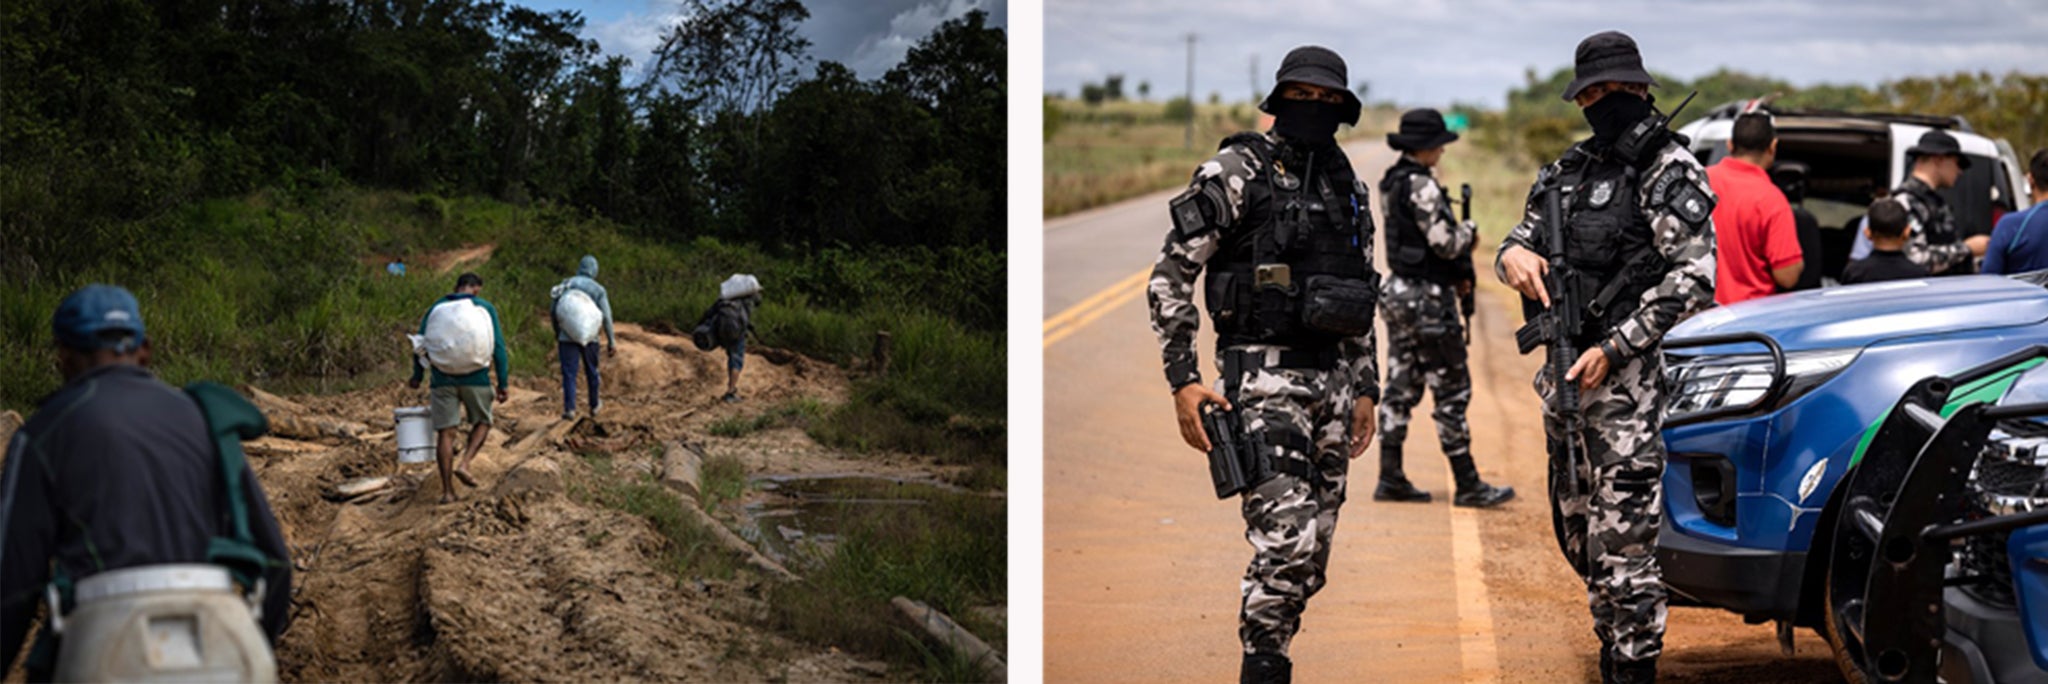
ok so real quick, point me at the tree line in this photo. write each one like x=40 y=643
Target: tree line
x=115 y=112
x=2010 y=106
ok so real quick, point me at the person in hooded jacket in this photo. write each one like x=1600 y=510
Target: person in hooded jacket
x=574 y=354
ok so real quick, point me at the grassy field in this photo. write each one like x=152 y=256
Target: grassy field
x=1500 y=188
x=286 y=288
x=1100 y=154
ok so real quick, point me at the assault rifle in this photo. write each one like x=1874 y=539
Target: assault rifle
x=1468 y=301
x=1557 y=326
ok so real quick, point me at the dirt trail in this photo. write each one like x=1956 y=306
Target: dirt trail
x=442 y=261
x=519 y=580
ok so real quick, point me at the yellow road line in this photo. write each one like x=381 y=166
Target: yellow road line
x=1074 y=311
x=1095 y=306
x=1475 y=615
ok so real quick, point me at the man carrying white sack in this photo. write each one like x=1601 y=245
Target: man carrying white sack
x=462 y=350
x=579 y=307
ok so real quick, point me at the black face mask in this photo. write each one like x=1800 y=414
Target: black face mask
x=1307 y=121
x=1614 y=114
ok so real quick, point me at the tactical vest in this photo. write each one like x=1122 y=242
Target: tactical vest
x=1291 y=270
x=1408 y=252
x=1937 y=221
x=1608 y=240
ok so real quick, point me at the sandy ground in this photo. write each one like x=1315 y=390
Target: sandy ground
x=517 y=580
x=1142 y=563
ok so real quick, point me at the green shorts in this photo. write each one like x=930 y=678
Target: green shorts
x=472 y=400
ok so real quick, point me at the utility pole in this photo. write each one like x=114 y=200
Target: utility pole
x=1190 y=142
x=1255 y=79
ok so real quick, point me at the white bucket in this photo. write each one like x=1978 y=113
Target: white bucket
x=415 y=435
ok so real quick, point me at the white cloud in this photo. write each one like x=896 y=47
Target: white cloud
x=635 y=35
x=1432 y=52
x=877 y=54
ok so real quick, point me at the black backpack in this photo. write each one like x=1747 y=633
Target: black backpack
x=723 y=324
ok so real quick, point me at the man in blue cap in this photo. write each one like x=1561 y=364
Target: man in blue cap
x=117 y=471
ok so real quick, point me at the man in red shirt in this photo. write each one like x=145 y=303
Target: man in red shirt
x=1756 y=238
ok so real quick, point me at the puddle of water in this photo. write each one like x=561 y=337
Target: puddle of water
x=800 y=519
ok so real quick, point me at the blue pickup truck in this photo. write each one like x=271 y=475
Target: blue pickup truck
x=1938 y=568
x=1774 y=402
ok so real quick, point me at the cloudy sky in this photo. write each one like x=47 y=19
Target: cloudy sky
x=1431 y=52
x=867 y=35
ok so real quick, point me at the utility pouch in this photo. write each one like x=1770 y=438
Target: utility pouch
x=1339 y=305
x=1224 y=299
x=1411 y=254
x=1234 y=464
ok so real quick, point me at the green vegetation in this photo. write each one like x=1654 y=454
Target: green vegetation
x=275 y=287
x=948 y=553
x=793 y=413
x=725 y=479
x=1097 y=154
x=691 y=552
x=1538 y=125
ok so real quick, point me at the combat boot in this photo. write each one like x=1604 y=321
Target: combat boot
x=1394 y=484
x=1635 y=671
x=1474 y=492
x=1266 y=668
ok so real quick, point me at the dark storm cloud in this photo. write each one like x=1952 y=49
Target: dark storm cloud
x=869 y=37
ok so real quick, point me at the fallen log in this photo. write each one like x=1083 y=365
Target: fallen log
x=359 y=487
x=552 y=433
x=306 y=428
x=275 y=446
x=739 y=545
x=271 y=403
x=681 y=469
x=950 y=634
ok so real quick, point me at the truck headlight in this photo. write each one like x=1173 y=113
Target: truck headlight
x=1710 y=382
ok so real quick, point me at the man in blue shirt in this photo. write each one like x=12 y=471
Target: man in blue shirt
x=116 y=471
x=2020 y=241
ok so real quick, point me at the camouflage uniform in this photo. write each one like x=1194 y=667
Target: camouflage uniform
x=1304 y=414
x=1610 y=533
x=1424 y=332
x=1935 y=242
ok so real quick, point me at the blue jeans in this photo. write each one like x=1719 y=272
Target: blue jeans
x=736 y=355
x=574 y=354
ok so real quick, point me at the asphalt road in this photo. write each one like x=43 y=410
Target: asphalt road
x=1143 y=563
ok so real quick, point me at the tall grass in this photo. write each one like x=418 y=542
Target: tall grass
x=949 y=553
x=1500 y=187
x=1102 y=154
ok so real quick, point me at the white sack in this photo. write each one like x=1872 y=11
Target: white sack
x=739 y=285
x=458 y=339
x=578 y=316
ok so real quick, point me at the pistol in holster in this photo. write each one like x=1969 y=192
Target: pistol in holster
x=1235 y=462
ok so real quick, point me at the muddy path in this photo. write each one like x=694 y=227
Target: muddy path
x=519 y=580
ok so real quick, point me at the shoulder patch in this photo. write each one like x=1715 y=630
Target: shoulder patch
x=1690 y=204
x=1199 y=210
